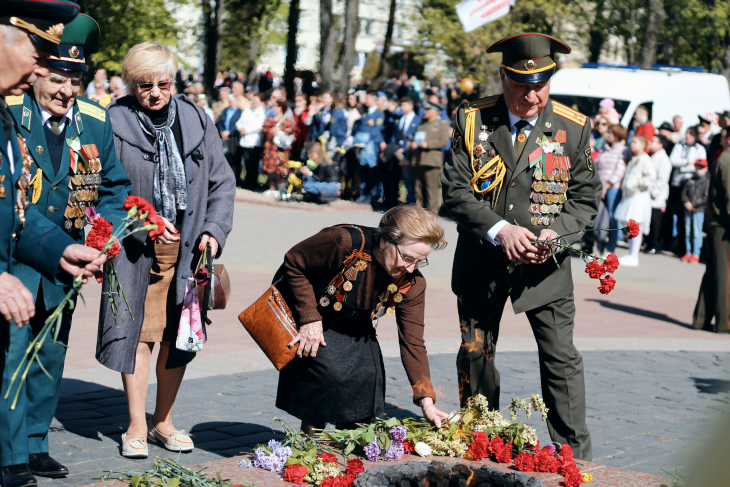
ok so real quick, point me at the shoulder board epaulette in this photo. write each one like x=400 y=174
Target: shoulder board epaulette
x=93 y=111
x=14 y=100
x=569 y=113
x=487 y=102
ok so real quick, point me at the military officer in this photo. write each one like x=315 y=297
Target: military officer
x=521 y=169
x=55 y=123
x=368 y=131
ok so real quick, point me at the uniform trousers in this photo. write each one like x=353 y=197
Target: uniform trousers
x=561 y=366
x=712 y=301
x=427 y=187
x=24 y=430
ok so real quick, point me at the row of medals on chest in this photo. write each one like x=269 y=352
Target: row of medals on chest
x=84 y=186
x=342 y=284
x=548 y=196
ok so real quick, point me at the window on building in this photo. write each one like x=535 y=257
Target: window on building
x=366 y=26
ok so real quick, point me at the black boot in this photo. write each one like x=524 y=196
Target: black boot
x=18 y=476
x=43 y=465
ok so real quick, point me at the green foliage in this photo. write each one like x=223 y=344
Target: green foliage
x=370 y=70
x=168 y=473
x=465 y=53
x=125 y=24
x=248 y=22
x=353 y=441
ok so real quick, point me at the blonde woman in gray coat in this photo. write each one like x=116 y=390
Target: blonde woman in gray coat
x=173 y=155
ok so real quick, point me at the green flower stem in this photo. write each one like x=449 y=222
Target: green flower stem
x=37 y=343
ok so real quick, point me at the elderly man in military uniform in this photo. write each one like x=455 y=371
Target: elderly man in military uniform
x=55 y=123
x=521 y=170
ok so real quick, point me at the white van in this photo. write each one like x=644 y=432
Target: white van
x=665 y=93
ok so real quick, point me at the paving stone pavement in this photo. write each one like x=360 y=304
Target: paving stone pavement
x=647 y=411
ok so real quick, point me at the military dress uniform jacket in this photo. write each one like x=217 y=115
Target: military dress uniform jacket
x=91 y=125
x=481 y=268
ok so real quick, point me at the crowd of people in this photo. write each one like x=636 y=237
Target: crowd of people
x=321 y=147
x=656 y=176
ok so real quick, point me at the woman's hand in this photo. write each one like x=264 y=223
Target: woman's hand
x=431 y=413
x=310 y=338
x=171 y=235
x=208 y=239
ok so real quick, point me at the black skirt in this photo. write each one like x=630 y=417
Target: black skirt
x=344 y=382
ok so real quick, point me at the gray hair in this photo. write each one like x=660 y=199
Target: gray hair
x=10 y=34
x=146 y=61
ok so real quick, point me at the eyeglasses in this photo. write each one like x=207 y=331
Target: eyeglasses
x=411 y=261
x=162 y=85
x=57 y=79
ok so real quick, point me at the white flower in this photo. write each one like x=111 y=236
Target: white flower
x=422 y=449
x=75 y=145
x=454 y=417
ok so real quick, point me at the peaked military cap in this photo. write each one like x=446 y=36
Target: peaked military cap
x=79 y=40
x=529 y=58
x=43 y=19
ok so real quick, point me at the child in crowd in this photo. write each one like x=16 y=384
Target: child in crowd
x=318 y=180
x=636 y=203
x=694 y=198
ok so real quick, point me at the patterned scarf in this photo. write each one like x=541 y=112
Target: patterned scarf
x=171 y=193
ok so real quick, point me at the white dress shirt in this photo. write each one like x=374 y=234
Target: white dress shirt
x=46 y=117
x=405 y=121
x=491 y=235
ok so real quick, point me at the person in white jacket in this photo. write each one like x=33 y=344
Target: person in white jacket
x=636 y=202
x=249 y=126
x=683 y=159
x=659 y=191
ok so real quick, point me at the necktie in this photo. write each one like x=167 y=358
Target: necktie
x=521 y=138
x=5 y=119
x=54 y=126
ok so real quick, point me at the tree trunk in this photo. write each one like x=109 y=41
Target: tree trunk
x=347 y=54
x=326 y=44
x=290 y=70
x=597 y=33
x=383 y=66
x=654 y=22
x=211 y=23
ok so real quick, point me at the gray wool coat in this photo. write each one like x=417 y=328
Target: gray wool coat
x=211 y=189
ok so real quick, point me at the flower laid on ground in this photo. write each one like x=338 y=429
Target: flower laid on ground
x=271 y=457
x=295 y=473
x=102 y=235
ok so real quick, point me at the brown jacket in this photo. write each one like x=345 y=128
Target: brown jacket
x=319 y=258
x=438 y=134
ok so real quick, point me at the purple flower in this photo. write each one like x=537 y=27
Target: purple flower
x=552 y=448
x=273 y=444
x=398 y=433
x=396 y=451
x=282 y=453
x=245 y=463
x=272 y=462
x=372 y=451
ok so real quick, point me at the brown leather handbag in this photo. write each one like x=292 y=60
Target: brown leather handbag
x=270 y=323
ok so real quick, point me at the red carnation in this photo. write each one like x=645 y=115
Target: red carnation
x=349 y=479
x=524 y=462
x=155 y=219
x=327 y=457
x=595 y=270
x=408 y=447
x=567 y=467
x=566 y=452
x=573 y=479
x=354 y=467
x=633 y=229
x=99 y=235
x=505 y=454
x=340 y=481
x=546 y=461
x=295 y=473
x=328 y=482
x=142 y=204
x=480 y=447
x=611 y=263
x=607 y=285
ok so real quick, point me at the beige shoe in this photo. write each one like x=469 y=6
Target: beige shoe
x=177 y=441
x=134 y=447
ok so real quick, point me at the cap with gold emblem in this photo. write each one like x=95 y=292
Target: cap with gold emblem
x=78 y=41
x=529 y=58
x=42 y=19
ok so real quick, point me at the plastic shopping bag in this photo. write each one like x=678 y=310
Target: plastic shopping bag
x=190 y=336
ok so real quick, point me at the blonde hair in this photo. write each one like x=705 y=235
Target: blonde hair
x=146 y=61
x=411 y=222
